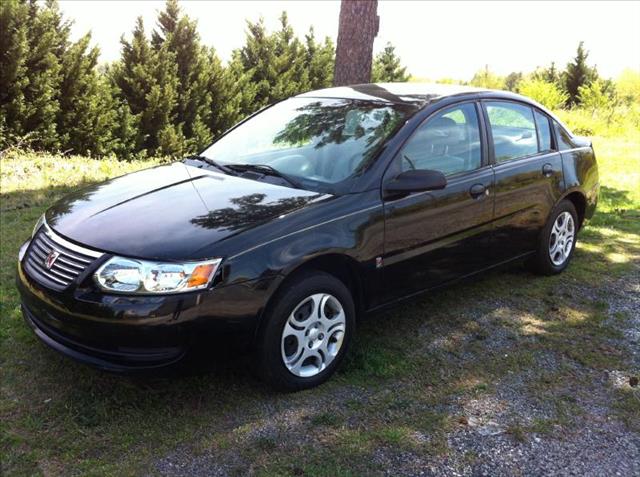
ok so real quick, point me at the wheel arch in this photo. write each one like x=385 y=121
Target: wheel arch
x=339 y=265
x=579 y=200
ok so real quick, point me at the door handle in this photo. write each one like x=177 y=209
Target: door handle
x=547 y=170
x=478 y=190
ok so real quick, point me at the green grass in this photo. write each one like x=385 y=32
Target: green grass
x=409 y=371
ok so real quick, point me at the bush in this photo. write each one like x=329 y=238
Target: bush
x=593 y=97
x=621 y=120
x=628 y=86
x=545 y=93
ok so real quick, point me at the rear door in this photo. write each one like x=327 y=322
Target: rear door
x=528 y=175
x=437 y=236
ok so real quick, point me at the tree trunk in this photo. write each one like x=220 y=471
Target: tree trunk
x=358 y=27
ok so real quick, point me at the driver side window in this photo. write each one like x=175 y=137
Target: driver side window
x=448 y=142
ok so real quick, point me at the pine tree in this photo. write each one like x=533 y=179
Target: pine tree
x=319 y=61
x=386 y=67
x=256 y=57
x=132 y=73
x=512 y=81
x=549 y=74
x=578 y=74
x=86 y=116
x=13 y=70
x=48 y=37
x=357 y=27
x=232 y=95
x=133 y=79
x=147 y=80
x=274 y=62
x=165 y=133
x=126 y=125
x=291 y=76
x=34 y=38
x=178 y=34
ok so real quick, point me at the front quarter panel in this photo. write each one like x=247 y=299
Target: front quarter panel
x=354 y=230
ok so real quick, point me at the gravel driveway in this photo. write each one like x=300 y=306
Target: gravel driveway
x=529 y=421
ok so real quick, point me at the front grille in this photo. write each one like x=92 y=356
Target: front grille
x=54 y=261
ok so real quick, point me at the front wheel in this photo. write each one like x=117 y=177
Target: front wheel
x=306 y=332
x=558 y=240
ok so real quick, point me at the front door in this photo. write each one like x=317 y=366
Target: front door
x=434 y=237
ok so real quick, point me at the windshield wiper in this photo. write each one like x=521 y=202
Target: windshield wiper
x=266 y=169
x=213 y=163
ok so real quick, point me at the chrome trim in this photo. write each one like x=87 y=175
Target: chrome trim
x=71 y=259
x=56 y=239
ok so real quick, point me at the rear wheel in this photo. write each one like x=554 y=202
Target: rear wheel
x=558 y=240
x=306 y=332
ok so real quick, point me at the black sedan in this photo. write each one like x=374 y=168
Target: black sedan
x=304 y=216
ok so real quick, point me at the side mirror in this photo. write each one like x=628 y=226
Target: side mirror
x=414 y=181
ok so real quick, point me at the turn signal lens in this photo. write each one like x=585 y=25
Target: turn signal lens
x=201 y=275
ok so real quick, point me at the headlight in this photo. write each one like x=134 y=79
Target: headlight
x=37 y=226
x=126 y=275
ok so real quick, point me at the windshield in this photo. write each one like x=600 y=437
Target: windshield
x=318 y=142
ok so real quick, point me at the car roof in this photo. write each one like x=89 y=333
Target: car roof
x=417 y=94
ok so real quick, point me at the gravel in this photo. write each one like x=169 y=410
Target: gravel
x=482 y=442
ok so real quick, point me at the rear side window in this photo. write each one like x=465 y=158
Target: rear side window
x=513 y=130
x=544 y=132
x=563 y=138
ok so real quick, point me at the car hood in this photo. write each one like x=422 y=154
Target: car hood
x=171 y=212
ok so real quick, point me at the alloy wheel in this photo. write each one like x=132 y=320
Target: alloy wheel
x=561 y=239
x=313 y=335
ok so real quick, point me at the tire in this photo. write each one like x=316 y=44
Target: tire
x=550 y=260
x=304 y=336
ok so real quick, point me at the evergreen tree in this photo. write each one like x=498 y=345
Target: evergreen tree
x=48 y=38
x=34 y=37
x=126 y=126
x=578 y=74
x=14 y=48
x=386 y=67
x=512 y=81
x=319 y=61
x=256 y=59
x=357 y=27
x=86 y=116
x=232 y=95
x=133 y=79
x=548 y=75
x=178 y=34
x=291 y=75
x=51 y=90
x=147 y=79
x=274 y=62
x=165 y=133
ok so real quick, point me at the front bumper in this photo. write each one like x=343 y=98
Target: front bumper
x=115 y=360
x=127 y=333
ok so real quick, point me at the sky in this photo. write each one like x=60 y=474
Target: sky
x=434 y=39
